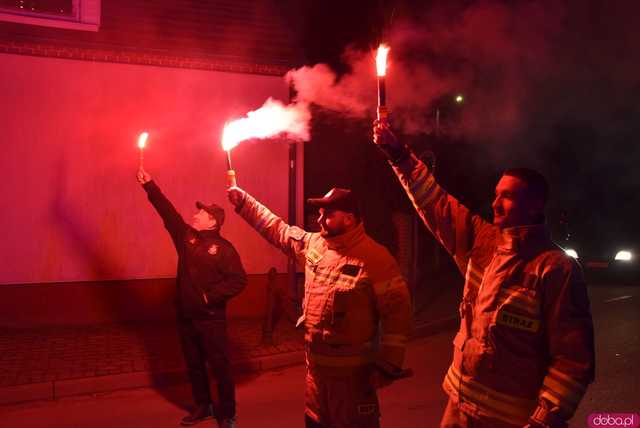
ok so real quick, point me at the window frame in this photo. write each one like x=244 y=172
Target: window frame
x=85 y=16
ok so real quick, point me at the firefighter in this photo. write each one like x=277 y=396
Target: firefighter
x=356 y=309
x=209 y=273
x=524 y=354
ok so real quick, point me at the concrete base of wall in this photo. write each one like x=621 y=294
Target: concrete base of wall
x=71 y=303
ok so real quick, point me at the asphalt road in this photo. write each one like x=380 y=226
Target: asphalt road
x=274 y=399
x=616 y=314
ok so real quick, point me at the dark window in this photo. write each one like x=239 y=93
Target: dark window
x=58 y=7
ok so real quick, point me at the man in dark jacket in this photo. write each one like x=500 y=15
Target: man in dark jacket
x=209 y=273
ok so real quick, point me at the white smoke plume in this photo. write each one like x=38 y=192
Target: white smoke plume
x=273 y=119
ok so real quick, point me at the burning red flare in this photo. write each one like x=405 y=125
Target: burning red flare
x=142 y=140
x=270 y=120
x=381 y=66
x=381 y=60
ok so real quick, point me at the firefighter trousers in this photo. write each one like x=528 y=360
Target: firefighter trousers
x=453 y=417
x=205 y=341
x=343 y=399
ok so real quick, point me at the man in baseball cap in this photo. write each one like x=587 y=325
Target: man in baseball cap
x=356 y=312
x=209 y=274
x=339 y=211
x=215 y=211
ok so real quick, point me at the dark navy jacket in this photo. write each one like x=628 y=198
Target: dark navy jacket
x=209 y=268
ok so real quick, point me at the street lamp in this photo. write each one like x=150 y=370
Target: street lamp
x=447 y=105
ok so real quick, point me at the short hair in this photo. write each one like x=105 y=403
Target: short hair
x=537 y=185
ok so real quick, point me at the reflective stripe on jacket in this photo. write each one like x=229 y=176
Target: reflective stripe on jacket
x=526 y=333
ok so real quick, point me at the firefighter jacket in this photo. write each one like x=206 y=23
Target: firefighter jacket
x=352 y=284
x=209 y=268
x=525 y=345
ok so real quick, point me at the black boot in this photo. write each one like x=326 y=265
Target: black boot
x=201 y=413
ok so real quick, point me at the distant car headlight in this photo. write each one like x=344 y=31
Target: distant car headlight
x=624 y=256
x=571 y=253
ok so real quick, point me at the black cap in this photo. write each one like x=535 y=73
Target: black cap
x=338 y=199
x=216 y=211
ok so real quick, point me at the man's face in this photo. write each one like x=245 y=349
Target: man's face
x=334 y=222
x=512 y=205
x=202 y=220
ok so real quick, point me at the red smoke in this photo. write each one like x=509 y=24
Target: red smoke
x=490 y=51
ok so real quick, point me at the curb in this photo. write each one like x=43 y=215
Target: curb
x=102 y=384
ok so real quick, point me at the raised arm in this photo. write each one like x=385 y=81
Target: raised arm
x=448 y=220
x=173 y=221
x=292 y=240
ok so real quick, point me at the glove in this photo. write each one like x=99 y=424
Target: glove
x=394 y=150
x=546 y=415
x=380 y=379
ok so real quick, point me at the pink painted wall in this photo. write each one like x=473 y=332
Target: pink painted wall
x=71 y=207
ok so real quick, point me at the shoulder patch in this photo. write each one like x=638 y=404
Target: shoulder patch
x=296 y=233
x=350 y=270
x=313 y=256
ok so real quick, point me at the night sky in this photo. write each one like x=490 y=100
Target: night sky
x=552 y=85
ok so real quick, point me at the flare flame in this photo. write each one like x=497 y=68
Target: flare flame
x=142 y=140
x=381 y=60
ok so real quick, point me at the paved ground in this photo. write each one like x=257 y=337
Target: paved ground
x=61 y=353
x=274 y=398
x=55 y=362
x=271 y=399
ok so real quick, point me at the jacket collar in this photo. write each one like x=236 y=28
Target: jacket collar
x=207 y=233
x=346 y=240
x=522 y=238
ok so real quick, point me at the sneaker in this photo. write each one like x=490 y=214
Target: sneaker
x=201 y=413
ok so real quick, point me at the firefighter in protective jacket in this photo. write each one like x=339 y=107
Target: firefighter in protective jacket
x=352 y=285
x=524 y=354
